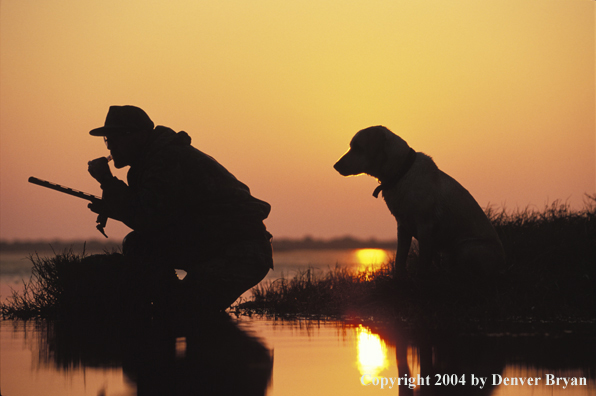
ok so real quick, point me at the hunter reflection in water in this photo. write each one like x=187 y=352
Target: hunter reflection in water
x=217 y=358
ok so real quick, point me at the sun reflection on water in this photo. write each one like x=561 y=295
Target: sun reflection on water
x=372 y=353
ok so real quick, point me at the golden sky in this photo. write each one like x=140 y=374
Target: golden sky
x=500 y=94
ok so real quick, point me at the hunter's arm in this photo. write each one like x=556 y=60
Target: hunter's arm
x=151 y=200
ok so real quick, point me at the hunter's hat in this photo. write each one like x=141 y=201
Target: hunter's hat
x=123 y=120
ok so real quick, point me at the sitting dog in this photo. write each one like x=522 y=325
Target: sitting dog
x=427 y=203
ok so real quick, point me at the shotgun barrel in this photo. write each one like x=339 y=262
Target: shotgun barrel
x=63 y=189
x=101 y=218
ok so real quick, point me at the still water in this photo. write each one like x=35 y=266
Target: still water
x=259 y=356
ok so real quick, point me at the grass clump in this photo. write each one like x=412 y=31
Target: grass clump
x=311 y=292
x=69 y=284
x=42 y=292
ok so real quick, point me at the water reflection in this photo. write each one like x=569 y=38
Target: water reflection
x=311 y=356
x=214 y=357
x=446 y=362
x=413 y=362
x=372 y=353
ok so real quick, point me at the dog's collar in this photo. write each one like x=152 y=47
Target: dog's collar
x=395 y=179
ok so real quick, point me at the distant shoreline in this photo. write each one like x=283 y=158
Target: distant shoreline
x=281 y=244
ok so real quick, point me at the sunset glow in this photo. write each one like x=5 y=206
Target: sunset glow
x=370 y=258
x=500 y=94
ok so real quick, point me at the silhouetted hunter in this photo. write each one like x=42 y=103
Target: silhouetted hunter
x=187 y=212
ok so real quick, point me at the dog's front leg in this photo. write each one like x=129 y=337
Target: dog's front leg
x=404 y=240
x=426 y=248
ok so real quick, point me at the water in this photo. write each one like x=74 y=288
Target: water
x=245 y=356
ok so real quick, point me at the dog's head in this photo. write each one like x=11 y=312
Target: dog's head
x=370 y=151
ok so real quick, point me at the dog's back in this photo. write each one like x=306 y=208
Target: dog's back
x=460 y=227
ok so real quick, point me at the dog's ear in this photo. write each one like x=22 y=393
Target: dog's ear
x=376 y=144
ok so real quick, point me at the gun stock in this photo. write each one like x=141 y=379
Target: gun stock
x=101 y=218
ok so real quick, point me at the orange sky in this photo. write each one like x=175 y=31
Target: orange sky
x=500 y=94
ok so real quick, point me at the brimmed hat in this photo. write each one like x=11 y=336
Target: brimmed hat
x=124 y=119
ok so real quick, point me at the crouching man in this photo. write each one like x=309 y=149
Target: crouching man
x=186 y=212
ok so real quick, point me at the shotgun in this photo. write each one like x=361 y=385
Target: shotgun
x=101 y=218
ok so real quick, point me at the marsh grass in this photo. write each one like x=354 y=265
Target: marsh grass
x=551 y=258
x=41 y=293
x=314 y=292
x=550 y=276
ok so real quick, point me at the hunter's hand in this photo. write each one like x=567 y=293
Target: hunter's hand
x=97 y=207
x=99 y=169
